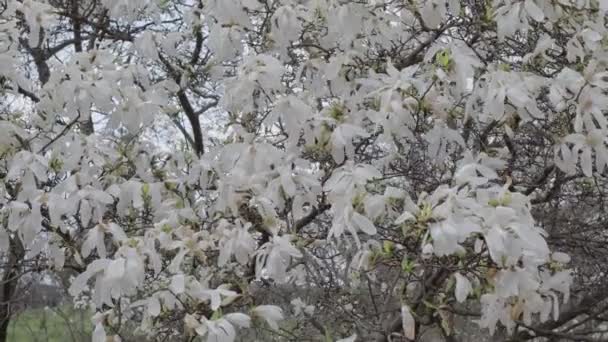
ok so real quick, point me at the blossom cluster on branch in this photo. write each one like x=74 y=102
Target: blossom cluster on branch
x=172 y=154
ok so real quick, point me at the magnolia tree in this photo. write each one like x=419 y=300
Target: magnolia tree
x=213 y=170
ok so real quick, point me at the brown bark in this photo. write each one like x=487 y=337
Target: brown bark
x=8 y=287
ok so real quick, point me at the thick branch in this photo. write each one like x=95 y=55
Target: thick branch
x=197 y=132
x=304 y=221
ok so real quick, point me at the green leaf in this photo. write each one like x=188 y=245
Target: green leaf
x=388 y=247
x=407 y=265
x=444 y=59
x=145 y=190
x=217 y=314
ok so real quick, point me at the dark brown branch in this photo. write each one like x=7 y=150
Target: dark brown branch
x=76 y=27
x=541 y=180
x=28 y=94
x=414 y=56
x=62 y=133
x=197 y=132
x=199 y=40
x=304 y=221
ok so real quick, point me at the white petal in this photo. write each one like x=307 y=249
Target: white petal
x=270 y=313
x=406 y=216
x=561 y=257
x=351 y=338
x=463 y=287
x=116 y=269
x=533 y=10
x=99 y=334
x=288 y=184
x=239 y=319
x=408 y=322
x=4 y=241
x=364 y=224
x=587 y=162
x=178 y=284
x=153 y=306
x=117 y=232
x=81 y=280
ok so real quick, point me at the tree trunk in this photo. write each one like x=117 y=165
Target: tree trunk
x=10 y=280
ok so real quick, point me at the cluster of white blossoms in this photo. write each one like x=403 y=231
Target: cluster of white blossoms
x=317 y=117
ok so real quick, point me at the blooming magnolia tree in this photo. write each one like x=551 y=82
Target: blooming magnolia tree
x=205 y=168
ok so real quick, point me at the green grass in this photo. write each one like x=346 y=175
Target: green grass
x=61 y=324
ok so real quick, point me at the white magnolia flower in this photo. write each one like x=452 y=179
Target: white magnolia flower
x=300 y=307
x=274 y=257
x=96 y=238
x=585 y=145
x=270 y=313
x=237 y=242
x=221 y=329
